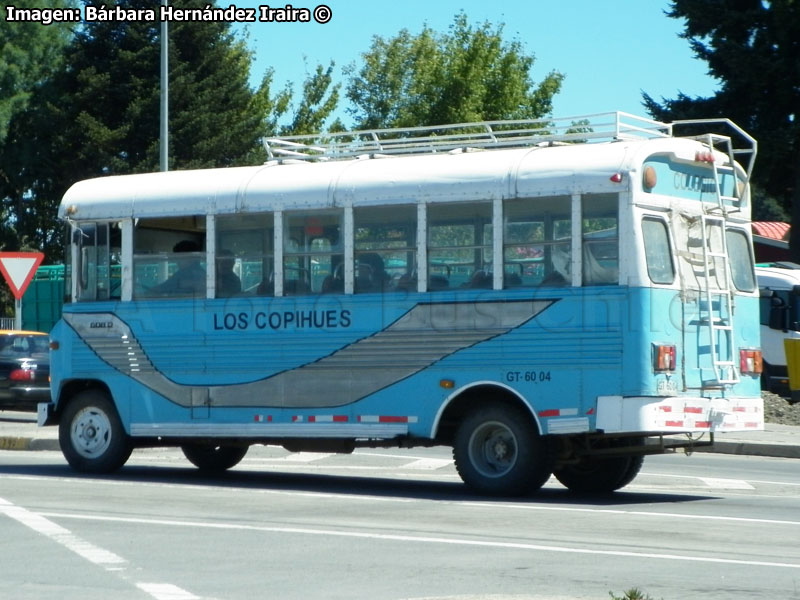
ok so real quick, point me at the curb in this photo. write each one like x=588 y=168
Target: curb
x=753 y=449
x=27 y=443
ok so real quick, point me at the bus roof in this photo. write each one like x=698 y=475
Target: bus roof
x=548 y=168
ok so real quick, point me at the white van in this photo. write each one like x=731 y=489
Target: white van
x=780 y=319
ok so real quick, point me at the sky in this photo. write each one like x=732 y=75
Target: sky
x=609 y=50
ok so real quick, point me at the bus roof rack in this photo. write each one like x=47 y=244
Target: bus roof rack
x=599 y=127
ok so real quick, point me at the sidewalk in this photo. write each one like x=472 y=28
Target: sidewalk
x=781 y=441
x=18 y=431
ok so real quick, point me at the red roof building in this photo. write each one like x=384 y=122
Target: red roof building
x=771 y=241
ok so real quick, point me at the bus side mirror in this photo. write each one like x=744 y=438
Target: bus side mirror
x=778 y=314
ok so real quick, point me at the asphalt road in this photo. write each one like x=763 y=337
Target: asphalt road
x=391 y=525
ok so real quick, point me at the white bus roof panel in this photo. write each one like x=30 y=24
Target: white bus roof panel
x=479 y=175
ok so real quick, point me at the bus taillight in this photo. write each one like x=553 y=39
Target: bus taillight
x=750 y=362
x=663 y=357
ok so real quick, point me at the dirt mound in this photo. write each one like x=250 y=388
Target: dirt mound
x=779 y=410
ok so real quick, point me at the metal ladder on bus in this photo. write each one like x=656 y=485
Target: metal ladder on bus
x=716 y=269
x=716 y=291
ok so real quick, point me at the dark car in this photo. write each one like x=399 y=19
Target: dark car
x=24 y=369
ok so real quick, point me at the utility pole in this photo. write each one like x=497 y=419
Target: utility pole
x=164 y=129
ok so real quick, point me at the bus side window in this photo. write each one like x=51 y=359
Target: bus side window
x=245 y=255
x=657 y=252
x=169 y=258
x=312 y=253
x=459 y=245
x=536 y=242
x=600 y=239
x=385 y=248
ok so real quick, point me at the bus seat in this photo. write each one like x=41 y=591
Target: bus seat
x=480 y=279
x=371 y=273
x=267 y=286
x=332 y=285
x=296 y=287
x=438 y=282
x=407 y=282
x=513 y=280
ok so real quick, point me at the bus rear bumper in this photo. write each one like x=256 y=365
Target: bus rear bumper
x=678 y=414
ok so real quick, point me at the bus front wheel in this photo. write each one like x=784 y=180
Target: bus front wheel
x=214 y=459
x=91 y=434
x=498 y=451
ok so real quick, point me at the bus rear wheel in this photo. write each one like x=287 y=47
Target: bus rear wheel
x=91 y=435
x=214 y=459
x=599 y=475
x=498 y=451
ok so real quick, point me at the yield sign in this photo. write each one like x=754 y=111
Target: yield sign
x=19 y=268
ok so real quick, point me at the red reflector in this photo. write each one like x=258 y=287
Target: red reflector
x=616 y=177
x=704 y=157
x=664 y=358
x=750 y=362
x=22 y=375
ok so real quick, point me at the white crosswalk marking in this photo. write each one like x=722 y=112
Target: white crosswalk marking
x=726 y=484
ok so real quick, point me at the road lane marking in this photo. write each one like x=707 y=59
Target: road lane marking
x=428 y=464
x=94 y=554
x=726 y=484
x=435 y=540
x=303 y=457
x=166 y=591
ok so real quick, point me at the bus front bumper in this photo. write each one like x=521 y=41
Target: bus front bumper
x=46 y=414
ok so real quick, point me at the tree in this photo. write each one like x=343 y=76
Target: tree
x=319 y=100
x=753 y=48
x=468 y=74
x=100 y=114
x=31 y=52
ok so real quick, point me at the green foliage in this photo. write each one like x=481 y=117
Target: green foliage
x=100 y=115
x=31 y=52
x=751 y=48
x=468 y=74
x=319 y=100
x=767 y=208
x=631 y=594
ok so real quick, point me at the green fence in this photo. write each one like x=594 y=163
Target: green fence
x=41 y=304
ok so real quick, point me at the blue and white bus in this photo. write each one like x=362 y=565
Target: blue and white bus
x=557 y=297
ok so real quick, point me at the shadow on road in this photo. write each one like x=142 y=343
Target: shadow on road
x=356 y=486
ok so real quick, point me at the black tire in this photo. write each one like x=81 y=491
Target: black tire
x=91 y=435
x=498 y=451
x=599 y=475
x=214 y=459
